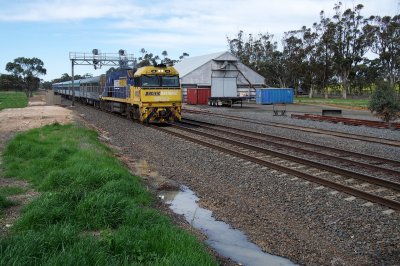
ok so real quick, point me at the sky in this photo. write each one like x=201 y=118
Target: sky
x=50 y=30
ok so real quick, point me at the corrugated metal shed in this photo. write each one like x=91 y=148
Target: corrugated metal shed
x=198 y=70
x=222 y=72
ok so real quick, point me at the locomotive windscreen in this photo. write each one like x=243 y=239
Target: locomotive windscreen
x=159 y=81
x=170 y=81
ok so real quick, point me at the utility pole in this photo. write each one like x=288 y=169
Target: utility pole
x=73 y=80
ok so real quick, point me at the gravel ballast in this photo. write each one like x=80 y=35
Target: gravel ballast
x=284 y=215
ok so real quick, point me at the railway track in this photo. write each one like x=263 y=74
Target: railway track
x=347 y=121
x=382 y=141
x=383 y=192
x=363 y=186
x=348 y=159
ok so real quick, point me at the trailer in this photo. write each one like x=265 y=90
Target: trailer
x=227 y=101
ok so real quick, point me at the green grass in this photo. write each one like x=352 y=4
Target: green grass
x=4 y=193
x=91 y=211
x=12 y=99
x=11 y=190
x=351 y=103
x=4 y=204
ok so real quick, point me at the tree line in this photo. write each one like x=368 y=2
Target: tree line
x=331 y=54
x=147 y=59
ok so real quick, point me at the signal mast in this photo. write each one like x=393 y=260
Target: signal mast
x=98 y=59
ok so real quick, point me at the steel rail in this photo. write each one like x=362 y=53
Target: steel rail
x=361 y=164
x=383 y=141
x=347 y=121
x=343 y=172
x=348 y=190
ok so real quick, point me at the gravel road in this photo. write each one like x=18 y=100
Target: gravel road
x=284 y=215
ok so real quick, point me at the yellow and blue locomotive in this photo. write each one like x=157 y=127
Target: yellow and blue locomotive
x=149 y=94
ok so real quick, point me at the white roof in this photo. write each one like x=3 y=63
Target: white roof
x=192 y=63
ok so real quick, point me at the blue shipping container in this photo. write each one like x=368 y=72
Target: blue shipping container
x=274 y=95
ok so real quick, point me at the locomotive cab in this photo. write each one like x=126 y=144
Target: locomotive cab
x=157 y=93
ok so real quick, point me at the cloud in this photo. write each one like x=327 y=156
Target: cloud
x=58 y=10
x=232 y=11
x=178 y=23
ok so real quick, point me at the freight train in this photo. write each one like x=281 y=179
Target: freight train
x=149 y=94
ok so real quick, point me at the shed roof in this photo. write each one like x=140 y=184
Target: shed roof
x=189 y=64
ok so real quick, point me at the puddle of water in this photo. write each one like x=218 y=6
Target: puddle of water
x=228 y=242
x=143 y=169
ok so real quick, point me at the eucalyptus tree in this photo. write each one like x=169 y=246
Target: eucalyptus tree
x=65 y=77
x=260 y=54
x=365 y=75
x=384 y=33
x=11 y=83
x=311 y=66
x=324 y=64
x=269 y=60
x=293 y=58
x=236 y=46
x=166 y=60
x=28 y=69
x=147 y=59
x=183 y=55
x=307 y=58
x=349 y=43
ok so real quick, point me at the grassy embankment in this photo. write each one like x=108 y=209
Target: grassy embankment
x=344 y=103
x=12 y=99
x=91 y=210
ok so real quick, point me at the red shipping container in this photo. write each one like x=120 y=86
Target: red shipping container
x=198 y=96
